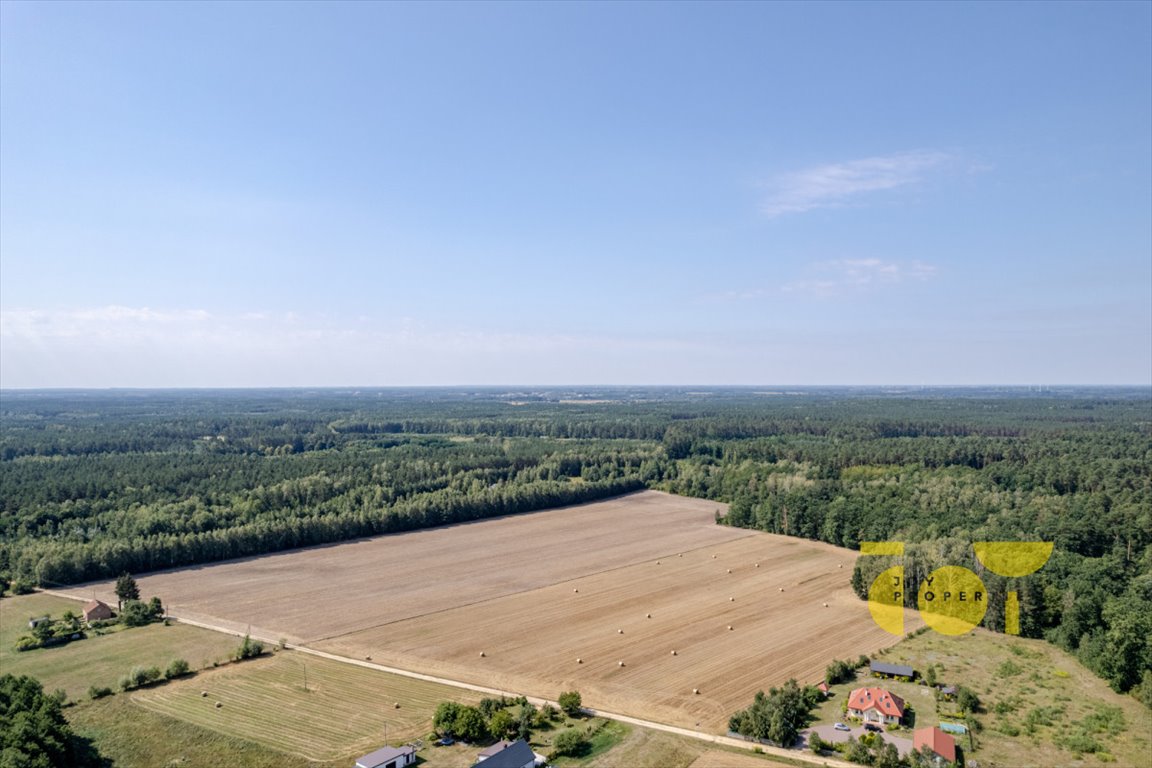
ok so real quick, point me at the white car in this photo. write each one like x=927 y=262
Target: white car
x=841 y=727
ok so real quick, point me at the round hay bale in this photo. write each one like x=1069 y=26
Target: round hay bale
x=219 y=704
x=825 y=605
x=579 y=660
x=731 y=599
x=203 y=693
x=657 y=562
x=680 y=555
x=620 y=663
x=781 y=589
x=481 y=654
x=729 y=570
x=367 y=658
x=575 y=590
x=673 y=653
x=713 y=557
x=619 y=631
x=696 y=691
x=647 y=615
x=729 y=627
x=757 y=565
x=841 y=565
x=396 y=705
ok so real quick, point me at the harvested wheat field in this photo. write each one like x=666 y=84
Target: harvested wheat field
x=344 y=708
x=731 y=628
x=642 y=603
x=307 y=594
x=715 y=758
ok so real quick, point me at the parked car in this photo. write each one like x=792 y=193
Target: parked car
x=447 y=741
x=873 y=727
x=841 y=727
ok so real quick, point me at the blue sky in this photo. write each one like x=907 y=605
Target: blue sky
x=230 y=194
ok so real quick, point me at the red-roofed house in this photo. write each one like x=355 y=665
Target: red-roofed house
x=941 y=744
x=876 y=705
x=823 y=688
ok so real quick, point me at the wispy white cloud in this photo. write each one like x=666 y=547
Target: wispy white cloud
x=109 y=322
x=133 y=346
x=833 y=277
x=837 y=184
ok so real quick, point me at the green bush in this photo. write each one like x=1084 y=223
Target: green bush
x=470 y=725
x=1078 y=742
x=1106 y=719
x=839 y=672
x=99 y=693
x=502 y=724
x=570 y=743
x=27 y=643
x=178 y=668
x=141 y=676
x=23 y=587
x=1043 y=716
x=136 y=614
x=249 y=649
x=571 y=703
x=967 y=700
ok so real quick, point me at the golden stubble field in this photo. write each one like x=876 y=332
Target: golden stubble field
x=718 y=607
x=536 y=592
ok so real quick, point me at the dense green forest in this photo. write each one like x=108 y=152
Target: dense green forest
x=96 y=483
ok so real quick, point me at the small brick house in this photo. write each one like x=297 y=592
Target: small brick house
x=95 y=610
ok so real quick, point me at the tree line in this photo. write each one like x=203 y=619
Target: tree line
x=93 y=484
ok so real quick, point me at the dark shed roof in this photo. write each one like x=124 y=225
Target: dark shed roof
x=896 y=670
x=517 y=755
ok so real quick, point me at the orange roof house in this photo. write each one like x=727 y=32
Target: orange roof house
x=876 y=705
x=94 y=610
x=936 y=740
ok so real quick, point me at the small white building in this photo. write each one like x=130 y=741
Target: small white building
x=388 y=757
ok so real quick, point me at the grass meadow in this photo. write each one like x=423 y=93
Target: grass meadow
x=100 y=660
x=1040 y=707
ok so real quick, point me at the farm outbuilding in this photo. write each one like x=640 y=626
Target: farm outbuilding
x=388 y=757
x=891 y=670
x=942 y=745
x=94 y=610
